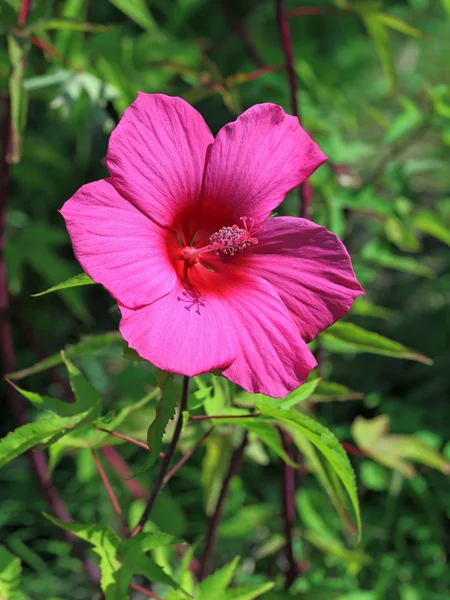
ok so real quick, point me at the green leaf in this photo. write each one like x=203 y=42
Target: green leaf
x=85 y=394
x=393 y=451
x=446 y=5
x=18 y=48
x=378 y=253
x=23 y=438
x=362 y=306
x=130 y=354
x=406 y=122
x=399 y=25
x=10 y=573
x=137 y=11
x=376 y=28
x=214 y=586
x=214 y=467
x=106 y=544
x=64 y=25
x=86 y=345
x=248 y=592
x=165 y=411
x=354 y=560
x=75 y=281
x=431 y=223
x=329 y=391
x=325 y=441
x=344 y=337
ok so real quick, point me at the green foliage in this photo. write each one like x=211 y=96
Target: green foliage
x=10 y=572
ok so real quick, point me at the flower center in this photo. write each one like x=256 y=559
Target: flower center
x=226 y=241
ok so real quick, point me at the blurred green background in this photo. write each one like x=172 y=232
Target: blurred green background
x=374 y=92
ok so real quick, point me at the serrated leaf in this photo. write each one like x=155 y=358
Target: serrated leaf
x=23 y=438
x=214 y=586
x=106 y=544
x=75 y=281
x=86 y=345
x=10 y=574
x=343 y=337
x=326 y=442
x=137 y=11
x=85 y=394
x=165 y=411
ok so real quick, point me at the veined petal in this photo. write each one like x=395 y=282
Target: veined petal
x=156 y=157
x=118 y=246
x=186 y=332
x=309 y=267
x=272 y=358
x=254 y=162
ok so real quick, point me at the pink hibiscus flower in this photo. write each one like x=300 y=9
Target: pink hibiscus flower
x=180 y=236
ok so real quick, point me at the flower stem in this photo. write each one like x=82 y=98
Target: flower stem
x=186 y=457
x=214 y=520
x=159 y=483
x=110 y=492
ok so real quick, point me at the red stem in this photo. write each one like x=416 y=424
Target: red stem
x=205 y=417
x=307 y=11
x=159 y=482
x=127 y=439
x=351 y=449
x=305 y=192
x=110 y=492
x=25 y=8
x=186 y=457
x=214 y=520
x=124 y=472
x=139 y=588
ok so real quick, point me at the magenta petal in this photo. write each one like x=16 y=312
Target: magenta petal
x=118 y=246
x=309 y=267
x=272 y=359
x=156 y=157
x=253 y=163
x=185 y=332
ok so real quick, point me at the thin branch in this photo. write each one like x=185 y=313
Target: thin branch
x=110 y=492
x=187 y=456
x=127 y=439
x=159 y=482
x=139 y=588
x=124 y=472
x=205 y=417
x=241 y=32
x=309 y=11
x=288 y=500
x=353 y=450
x=214 y=520
x=305 y=191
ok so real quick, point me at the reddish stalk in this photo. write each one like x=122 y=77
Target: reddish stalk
x=143 y=591
x=24 y=11
x=186 y=457
x=308 y=11
x=159 y=482
x=305 y=192
x=205 y=417
x=124 y=472
x=110 y=492
x=214 y=520
x=127 y=439
x=351 y=449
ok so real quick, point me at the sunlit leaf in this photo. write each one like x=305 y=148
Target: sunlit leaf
x=344 y=337
x=214 y=586
x=75 y=281
x=137 y=11
x=10 y=576
x=431 y=223
x=380 y=254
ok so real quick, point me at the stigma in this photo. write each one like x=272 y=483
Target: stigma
x=227 y=241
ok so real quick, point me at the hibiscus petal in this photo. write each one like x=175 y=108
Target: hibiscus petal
x=272 y=359
x=253 y=163
x=156 y=157
x=118 y=246
x=186 y=332
x=309 y=267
